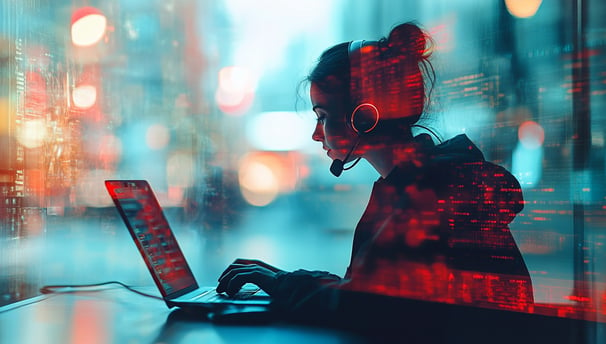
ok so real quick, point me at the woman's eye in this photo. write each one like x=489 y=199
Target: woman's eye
x=321 y=118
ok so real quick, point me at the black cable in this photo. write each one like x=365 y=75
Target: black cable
x=426 y=128
x=352 y=165
x=50 y=289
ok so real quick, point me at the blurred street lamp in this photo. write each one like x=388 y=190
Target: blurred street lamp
x=88 y=26
x=236 y=90
x=523 y=8
x=84 y=96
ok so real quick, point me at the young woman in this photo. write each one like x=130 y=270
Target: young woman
x=436 y=225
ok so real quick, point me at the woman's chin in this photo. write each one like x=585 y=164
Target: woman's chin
x=334 y=155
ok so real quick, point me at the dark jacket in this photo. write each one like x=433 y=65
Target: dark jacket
x=435 y=229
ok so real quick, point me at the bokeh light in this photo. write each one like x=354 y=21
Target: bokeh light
x=235 y=92
x=5 y=113
x=175 y=195
x=84 y=96
x=88 y=26
x=523 y=8
x=531 y=134
x=234 y=79
x=258 y=175
x=32 y=133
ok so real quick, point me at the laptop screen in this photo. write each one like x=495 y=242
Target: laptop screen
x=153 y=236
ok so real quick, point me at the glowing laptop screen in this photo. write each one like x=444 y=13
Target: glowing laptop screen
x=148 y=226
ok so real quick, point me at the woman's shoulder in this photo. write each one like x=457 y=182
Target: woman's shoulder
x=457 y=168
x=475 y=180
x=460 y=158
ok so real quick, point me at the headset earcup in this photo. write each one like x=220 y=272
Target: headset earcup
x=364 y=118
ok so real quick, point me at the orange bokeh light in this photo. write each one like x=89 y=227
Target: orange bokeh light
x=264 y=175
x=236 y=90
x=523 y=8
x=531 y=134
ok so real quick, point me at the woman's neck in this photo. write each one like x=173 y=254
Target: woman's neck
x=385 y=158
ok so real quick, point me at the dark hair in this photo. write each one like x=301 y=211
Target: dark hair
x=332 y=72
x=401 y=73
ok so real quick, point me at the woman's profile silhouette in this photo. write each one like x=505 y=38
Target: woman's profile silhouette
x=436 y=226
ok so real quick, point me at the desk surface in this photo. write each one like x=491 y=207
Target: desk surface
x=117 y=316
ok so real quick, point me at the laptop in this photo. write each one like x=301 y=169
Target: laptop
x=147 y=225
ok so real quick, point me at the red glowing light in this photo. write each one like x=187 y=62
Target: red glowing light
x=36 y=94
x=531 y=134
x=88 y=26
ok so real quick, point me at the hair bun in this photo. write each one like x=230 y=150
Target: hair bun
x=409 y=40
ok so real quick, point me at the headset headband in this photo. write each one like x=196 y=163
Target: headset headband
x=365 y=115
x=356 y=70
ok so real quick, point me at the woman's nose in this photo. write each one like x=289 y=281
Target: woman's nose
x=318 y=134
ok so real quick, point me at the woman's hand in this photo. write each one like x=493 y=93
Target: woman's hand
x=243 y=271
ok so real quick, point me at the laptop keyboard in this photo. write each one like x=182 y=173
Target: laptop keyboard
x=213 y=296
x=241 y=295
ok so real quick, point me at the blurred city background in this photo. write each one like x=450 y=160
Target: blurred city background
x=205 y=100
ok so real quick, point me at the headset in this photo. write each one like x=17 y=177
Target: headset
x=365 y=115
